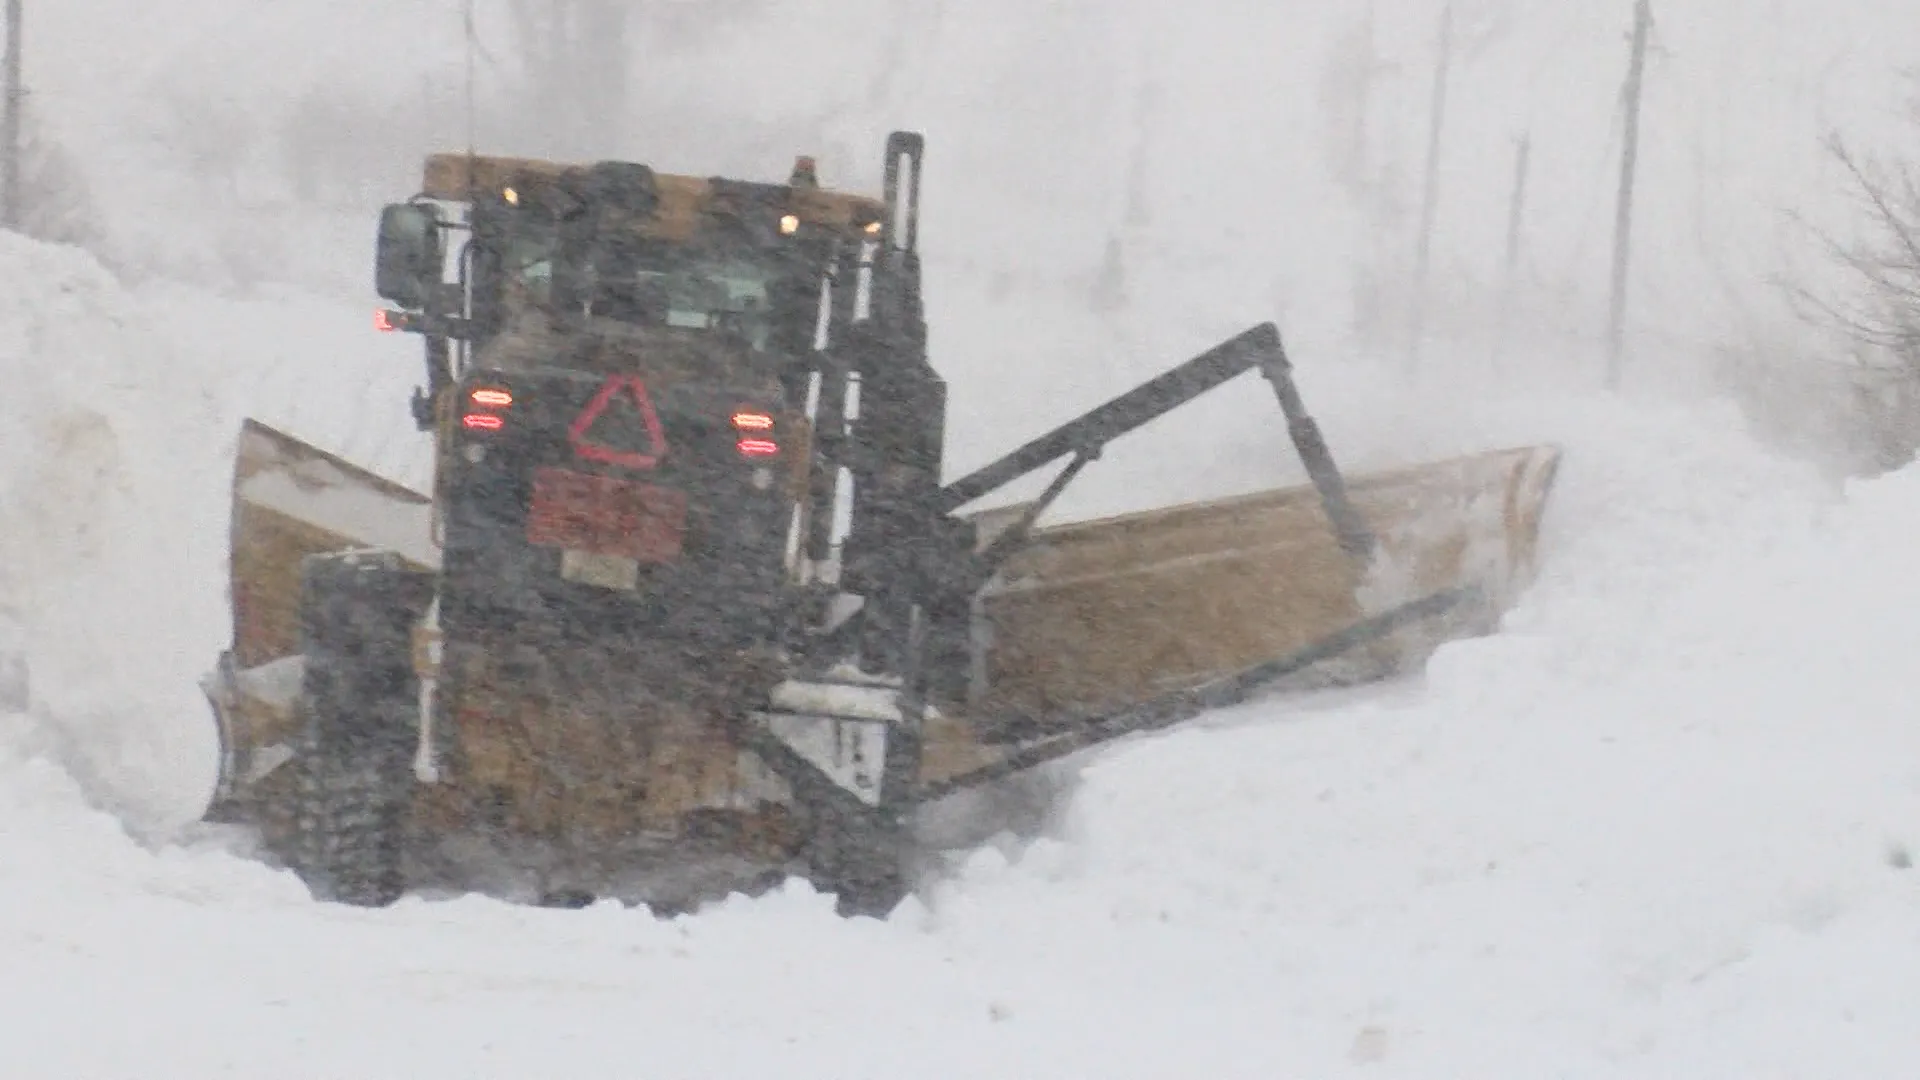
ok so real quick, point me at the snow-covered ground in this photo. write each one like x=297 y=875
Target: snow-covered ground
x=1660 y=826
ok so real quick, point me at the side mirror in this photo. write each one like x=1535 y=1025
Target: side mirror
x=408 y=256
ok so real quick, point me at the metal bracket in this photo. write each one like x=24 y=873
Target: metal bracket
x=1087 y=435
x=1355 y=538
x=1014 y=536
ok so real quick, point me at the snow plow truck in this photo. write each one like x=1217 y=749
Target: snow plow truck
x=692 y=606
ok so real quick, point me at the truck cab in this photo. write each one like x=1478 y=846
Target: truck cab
x=619 y=368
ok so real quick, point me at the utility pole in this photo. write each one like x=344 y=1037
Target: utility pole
x=1517 y=202
x=1623 y=215
x=1516 y=218
x=1372 y=67
x=10 y=122
x=1431 y=195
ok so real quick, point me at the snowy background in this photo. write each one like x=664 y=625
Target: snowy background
x=1661 y=825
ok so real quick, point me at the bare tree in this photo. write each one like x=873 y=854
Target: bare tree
x=213 y=137
x=1348 y=89
x=575 y=61
x=1879 y=306
x=347 y=148
x=55 y=204
x=1864 y=313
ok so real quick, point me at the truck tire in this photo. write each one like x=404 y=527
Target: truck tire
x=359 y=701
x=873 y=893
x=863 y=862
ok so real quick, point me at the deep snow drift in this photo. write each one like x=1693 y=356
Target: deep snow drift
x=1658 y=826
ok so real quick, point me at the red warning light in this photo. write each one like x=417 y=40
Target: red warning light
x=758 y=447
x=386 y=321
x=482 y=422
x=747 y=420
x=492 y=398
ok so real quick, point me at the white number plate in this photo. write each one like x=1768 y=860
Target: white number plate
x=604 y=571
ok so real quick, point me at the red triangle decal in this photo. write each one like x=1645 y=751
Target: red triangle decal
x=632 y=459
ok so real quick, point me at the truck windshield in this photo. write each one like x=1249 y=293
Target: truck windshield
x=654 y=285
x=716 y=294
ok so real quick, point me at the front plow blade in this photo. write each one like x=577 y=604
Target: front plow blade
x=291 y=500
x=1101 y=615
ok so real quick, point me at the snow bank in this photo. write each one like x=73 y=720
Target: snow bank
x=112 y=516
x=117 y=436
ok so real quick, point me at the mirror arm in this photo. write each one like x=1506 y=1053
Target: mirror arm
x=439 y=378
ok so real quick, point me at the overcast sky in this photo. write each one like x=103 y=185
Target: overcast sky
x=1038 y=113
